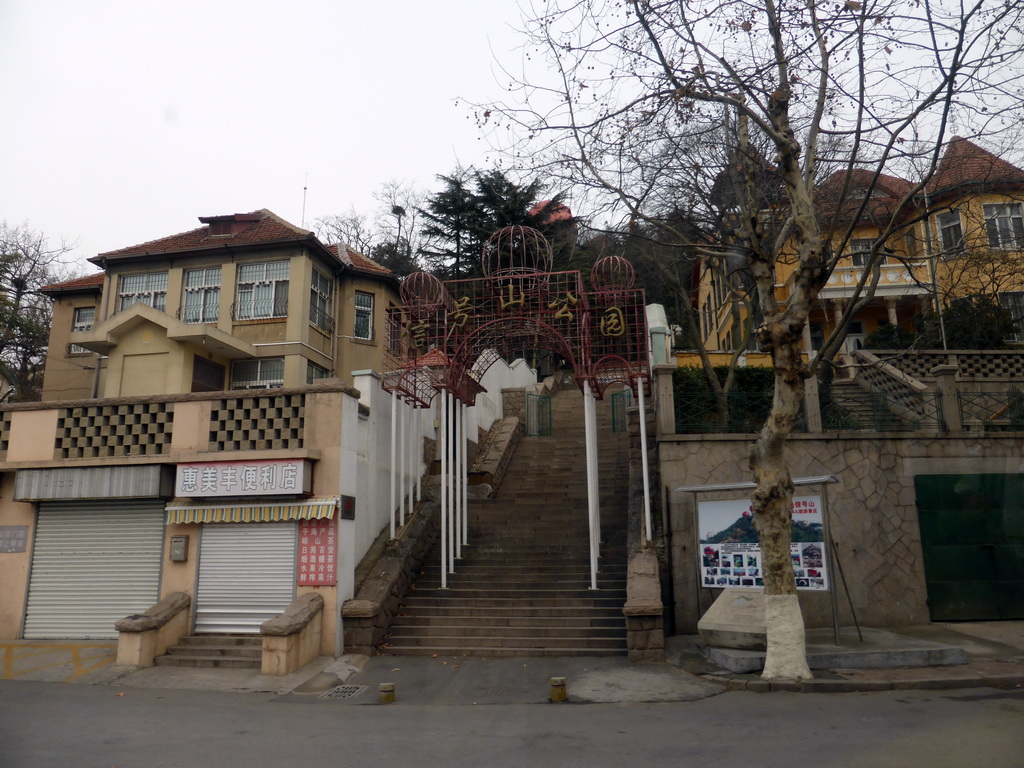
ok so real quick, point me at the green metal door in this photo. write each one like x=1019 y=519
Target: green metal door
x=620 y=402
x=972 y=534
x=538 y=415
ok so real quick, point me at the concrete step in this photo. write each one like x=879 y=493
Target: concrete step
x=440 y=650
x=434 y=608
x=502 y=622
x=218 y=662
x=217 y=651
x=524 y=641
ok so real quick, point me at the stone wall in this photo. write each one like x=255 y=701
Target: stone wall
x=873 y=512
x=367 y=618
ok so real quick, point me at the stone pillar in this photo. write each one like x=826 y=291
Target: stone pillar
x=945 y=385
x=645 y=624
x=664 y=400
x=812 y=404
x=890 y=307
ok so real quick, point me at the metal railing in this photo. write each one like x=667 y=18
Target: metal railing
x=697 y=412
x=992 y=411
x=876 y=411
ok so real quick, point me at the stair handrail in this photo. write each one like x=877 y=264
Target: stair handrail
x=904 y=395
x=141 y=637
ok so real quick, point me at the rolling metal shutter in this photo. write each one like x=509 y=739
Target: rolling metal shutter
x=93 y=562
x=246 y=575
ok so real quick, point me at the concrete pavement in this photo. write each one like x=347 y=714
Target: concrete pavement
x=994 y=654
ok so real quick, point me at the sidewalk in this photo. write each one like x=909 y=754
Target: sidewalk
x=994 y=653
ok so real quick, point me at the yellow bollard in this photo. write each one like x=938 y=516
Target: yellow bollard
x=558 y=689
x=387 y=693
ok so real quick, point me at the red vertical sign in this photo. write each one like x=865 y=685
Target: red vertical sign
x=317 y=553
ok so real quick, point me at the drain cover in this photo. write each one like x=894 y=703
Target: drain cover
x=343 y=692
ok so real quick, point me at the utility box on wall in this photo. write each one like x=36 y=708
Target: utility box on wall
x=179 y=549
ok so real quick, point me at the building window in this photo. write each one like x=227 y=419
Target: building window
x=207 y=376
x=314 y=372
x=81 y=320
x=150 y=289
x=1013 y=302
x=320 y=303
x=202 y=295
x=257 y=374
x=1004 y=223
x=364 y=316
x=951 y=232
x=911 y=243
x=860 y=251
x=262 y=290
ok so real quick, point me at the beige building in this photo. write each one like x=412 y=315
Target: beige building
x=246 y=301
x=961 y=236
x=202 y=433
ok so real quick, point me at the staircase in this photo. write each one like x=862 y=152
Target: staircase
x=521 y=587
x=222 y=651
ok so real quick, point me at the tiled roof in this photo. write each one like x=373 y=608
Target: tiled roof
x=966 y=163
x=357 y=261
x=886 y=193
x=79 y=283
x=260 y=226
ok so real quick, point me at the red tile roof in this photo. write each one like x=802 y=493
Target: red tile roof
x=260 y=226
x=79 y=283
x=885 y=193
x=965 y=163
x=357 y=261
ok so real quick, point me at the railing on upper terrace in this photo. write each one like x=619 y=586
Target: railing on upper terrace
x=904 y=392
x=142 y=427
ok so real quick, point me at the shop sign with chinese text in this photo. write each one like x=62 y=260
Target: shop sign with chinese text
x=317 y=553
x=266 y=477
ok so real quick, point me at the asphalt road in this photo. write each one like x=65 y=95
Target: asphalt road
x=47 y=725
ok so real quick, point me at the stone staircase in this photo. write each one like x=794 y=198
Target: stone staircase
x=521 y=587
x=222 y=651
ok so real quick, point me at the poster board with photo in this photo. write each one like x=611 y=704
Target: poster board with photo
x=730 y=555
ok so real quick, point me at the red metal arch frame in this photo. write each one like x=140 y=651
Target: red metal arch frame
x=447 y=335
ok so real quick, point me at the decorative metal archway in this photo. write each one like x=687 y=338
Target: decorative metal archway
x=446 y=335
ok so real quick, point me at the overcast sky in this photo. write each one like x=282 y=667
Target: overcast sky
x=125 y=120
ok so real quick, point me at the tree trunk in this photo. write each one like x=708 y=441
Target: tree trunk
x=772 y=501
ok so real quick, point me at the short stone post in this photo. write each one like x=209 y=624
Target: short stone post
x=665 y=403
x=644 y=612
x=945 y=386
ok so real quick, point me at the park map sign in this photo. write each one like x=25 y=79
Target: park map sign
x=731 y=555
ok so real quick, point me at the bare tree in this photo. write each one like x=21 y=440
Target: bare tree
x=800 y=91
x=27 y=262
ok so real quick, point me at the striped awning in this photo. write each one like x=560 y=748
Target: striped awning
x=179 y=511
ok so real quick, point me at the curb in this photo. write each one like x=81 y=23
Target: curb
x=1011 y=680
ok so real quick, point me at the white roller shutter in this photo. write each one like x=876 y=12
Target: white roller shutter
x=93 y=562
x=246 y=575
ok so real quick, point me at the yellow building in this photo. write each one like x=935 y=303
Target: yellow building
x=963 y=235
x=246 y=301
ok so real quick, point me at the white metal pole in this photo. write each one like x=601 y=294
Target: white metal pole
x=418 y=454
x=465 y=475
x=394 y=447
x=597 y=474
x=588 y=406
x=451 y=499
x=457 y=478
x=413 y=471
x=444 y=489
x=643 y=460
x=401 y=464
